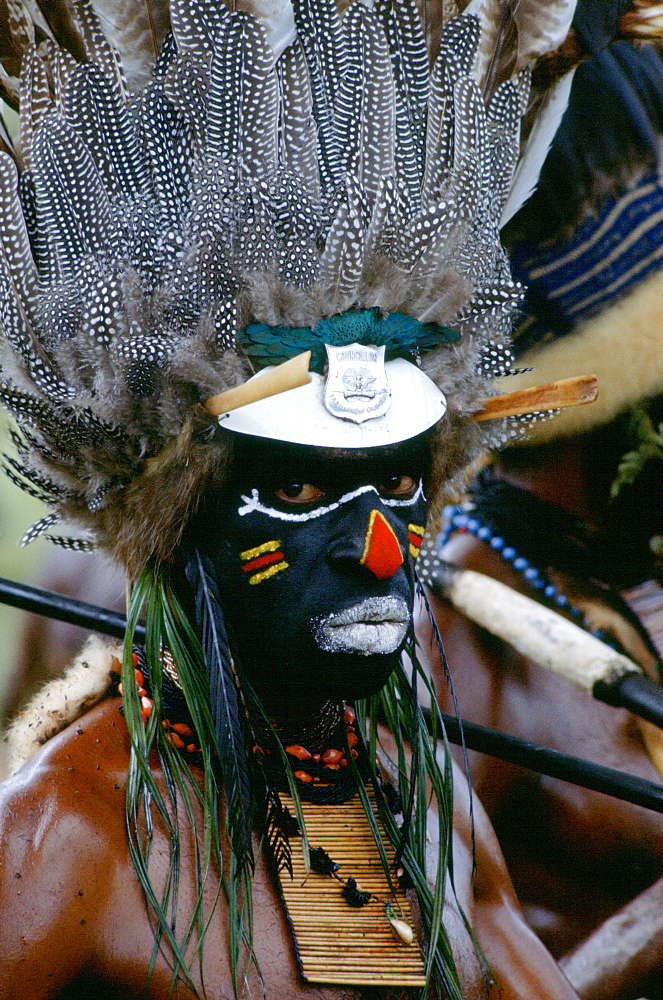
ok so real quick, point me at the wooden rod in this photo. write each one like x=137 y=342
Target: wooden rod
x=551 y=396
x=289 y=375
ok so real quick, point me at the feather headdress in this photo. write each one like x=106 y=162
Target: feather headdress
x=271 y=172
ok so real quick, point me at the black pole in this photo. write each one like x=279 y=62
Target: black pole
x=636 y=693
x=65 y=609
x=576 y=771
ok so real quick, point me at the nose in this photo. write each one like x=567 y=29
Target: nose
x=376 y=548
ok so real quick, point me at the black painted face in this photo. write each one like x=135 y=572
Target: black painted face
x=315 y=552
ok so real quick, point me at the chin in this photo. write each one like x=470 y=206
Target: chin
x=347 y=676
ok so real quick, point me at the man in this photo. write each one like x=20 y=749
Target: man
x=548 y=519
x=291 y=195
x=75 y=916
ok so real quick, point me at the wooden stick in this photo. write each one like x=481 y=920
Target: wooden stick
x=623 y=952
x=550 y=396
x=534 y=630
x=289 y=375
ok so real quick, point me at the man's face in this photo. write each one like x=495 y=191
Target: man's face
x=314 y=552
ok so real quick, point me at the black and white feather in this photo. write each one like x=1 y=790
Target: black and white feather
x=198 y=169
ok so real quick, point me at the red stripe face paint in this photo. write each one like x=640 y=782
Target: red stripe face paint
x=382 y=552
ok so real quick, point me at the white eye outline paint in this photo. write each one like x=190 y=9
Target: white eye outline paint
x=253 y=503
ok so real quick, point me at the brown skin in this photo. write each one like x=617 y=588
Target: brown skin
x=74 y=918
x=575 y=856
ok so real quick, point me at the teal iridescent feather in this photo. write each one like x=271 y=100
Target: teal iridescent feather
x=402 y=336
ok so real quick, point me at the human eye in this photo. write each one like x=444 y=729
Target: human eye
x=399 y=486
x=296 y=492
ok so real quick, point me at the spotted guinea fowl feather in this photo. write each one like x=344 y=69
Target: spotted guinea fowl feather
x=64 y=436
x=19 y=334
x=243 y=98
x=14 y=240
x=323 y=42
x=404 y=31
x=364 y=110
x=384 y=213
x=71 y=200
x=342 y=261
x=278 y=21
x=195 y=25
x=100 y=117
x=98 y=48
x=47 y=488
x=35 y=100
x=298 y=134
x=39 y=528
x=43 y=254
x=60 y=65
x=409 y=58
x=503 y=117
x=168 y=148
x=454 y=61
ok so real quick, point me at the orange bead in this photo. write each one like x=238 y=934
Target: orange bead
x=139 y=678
x=303 y=776
x=332 y=767
x=332 y=756
x=175 y=740
x=349 y=716
x=353 y=739
x=301 y=753
x=182 y=729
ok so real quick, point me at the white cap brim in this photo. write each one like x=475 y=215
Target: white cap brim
x=301 y=417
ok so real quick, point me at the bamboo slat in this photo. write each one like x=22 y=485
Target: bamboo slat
x=337 y=943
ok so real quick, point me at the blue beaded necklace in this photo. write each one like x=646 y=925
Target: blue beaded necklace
x=462 y=517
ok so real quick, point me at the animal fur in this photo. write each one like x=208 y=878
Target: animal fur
x=622 y=346
x=61 y=702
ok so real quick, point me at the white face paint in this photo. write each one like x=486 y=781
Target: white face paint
x=253 y=503
x=375 y=625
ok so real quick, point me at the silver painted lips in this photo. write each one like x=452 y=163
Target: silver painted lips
x=375 y=625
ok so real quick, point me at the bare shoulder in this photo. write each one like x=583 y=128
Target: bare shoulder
x=61 y=821
x=93 y=749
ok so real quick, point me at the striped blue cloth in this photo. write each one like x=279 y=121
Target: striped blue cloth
x=569 y=280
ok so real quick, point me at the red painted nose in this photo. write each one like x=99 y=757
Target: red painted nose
x=382 y=553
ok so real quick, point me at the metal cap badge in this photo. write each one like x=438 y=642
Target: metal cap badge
x=357 y=388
